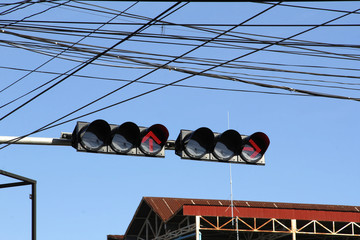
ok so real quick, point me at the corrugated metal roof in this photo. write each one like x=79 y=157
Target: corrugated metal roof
x=115 y=237
x=168 y=207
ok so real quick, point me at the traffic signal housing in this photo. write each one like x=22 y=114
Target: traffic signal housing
x=126 y=139
x=229 y=146
x=202 y=144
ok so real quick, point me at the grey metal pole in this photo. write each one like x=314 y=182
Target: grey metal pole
x=64 y=141
x=35 y=141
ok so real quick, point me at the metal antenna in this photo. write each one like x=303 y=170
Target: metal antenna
x=231 y=189
x=231 y=196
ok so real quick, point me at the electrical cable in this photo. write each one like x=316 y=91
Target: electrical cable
x=277 y=81
x=81 y=66
x=239 y=66
x=52 y=58
x=1 y=90
x=311 y=8
x=286 y=88
x=46 y=126
x=35 y=14
x=281 y=87
x=272 y=77
x=165 y=24
x=82 y=50
x=204 y=87
x=155 y=83
x=76 y=32
x=20 y=5
x=164 y=13
x=316 y=54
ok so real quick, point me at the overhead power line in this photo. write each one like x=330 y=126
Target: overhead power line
x=52 y=123
x=159 y=62
x=67 y=24
x=84 y=64
x=91 y=49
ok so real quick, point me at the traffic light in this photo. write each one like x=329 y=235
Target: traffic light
x=127 y=138
x=229 y=146
x=202 y=144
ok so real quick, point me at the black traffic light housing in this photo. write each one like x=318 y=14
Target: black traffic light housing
x=126 y=139
x=229 y=146
x=202 y=144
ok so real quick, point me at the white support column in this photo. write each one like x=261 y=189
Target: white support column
x=293 y=228
x=197 y=223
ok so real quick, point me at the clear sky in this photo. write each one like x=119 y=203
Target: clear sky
x=313 y=155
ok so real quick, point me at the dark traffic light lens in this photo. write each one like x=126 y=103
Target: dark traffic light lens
x=222 y=152
x=199 y=143
x=91 y=142
x=194 y=149
x=120 y=144
x=94 y=136
x=227 y=145
x=125 y=137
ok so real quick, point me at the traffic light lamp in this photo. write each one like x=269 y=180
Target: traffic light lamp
x=229 y=146
x=127 y=138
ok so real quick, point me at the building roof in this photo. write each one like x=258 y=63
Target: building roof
x=166 y=208
x=115 y=237
x=173 y=211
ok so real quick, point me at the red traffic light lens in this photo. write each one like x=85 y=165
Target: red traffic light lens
x=254 y=147
x=94 y=136
x=153 y=140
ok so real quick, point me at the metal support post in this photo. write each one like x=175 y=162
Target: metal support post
x=33 y=210
x=24 y=181
x=197 y=222
x=293 y=228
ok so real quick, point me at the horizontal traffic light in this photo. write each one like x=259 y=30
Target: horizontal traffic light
x=202 y=144
x=126 y=139
x=229 y=146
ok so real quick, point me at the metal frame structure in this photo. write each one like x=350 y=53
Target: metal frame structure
x=23 y=182
x=278 y=228
x=251 y=228
x=197 y=219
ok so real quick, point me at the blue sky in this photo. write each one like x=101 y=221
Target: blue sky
x=313 y=154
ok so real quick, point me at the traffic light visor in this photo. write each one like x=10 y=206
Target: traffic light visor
x=227 y=145
x=198 y=143
x=125 y=137
x=94 y=136
x=254 y=147
x=153 y=139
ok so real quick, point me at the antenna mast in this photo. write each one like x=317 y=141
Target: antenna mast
x=231 y=196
